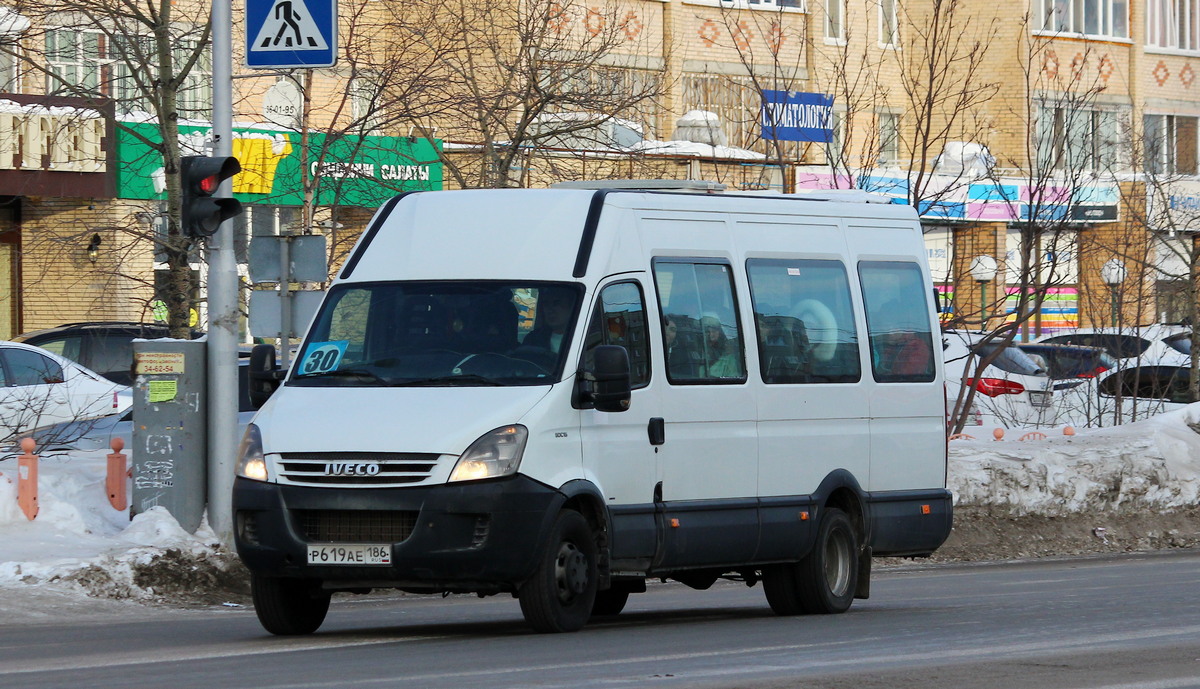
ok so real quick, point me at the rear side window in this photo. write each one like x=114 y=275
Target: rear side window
x=898 y=321
x=1181 y=343
x=804 y=321
x=30 y=368
x=620 y=319
x=69 y=347
x=1012 y=360
x=111 y=353
x=1154 y=382
x=698 y=300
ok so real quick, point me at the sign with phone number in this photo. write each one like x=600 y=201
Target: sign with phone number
x=168 y=363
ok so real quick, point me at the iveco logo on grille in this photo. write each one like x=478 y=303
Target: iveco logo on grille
x=351 y=468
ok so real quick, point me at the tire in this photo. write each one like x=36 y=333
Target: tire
x=610 y=602
x=824 y=581
x=559 y=596
x=289 y=607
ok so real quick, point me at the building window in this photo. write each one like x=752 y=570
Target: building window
x=9 y=78
x=195 y=97
x=90 y=63
x=889 y=138
x=889 y=25
x=73 y=61
x=833 y=149
x=835 y=12
x=1082 y=139
x=1089 y=17
x=764 y=4
x=1173 y=24
x=365 y=106
x=736 y=102
x=1170 y=146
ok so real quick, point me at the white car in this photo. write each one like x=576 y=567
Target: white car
x=40 y=389
x=1128 y=394
x=1014 y=391
x=1159 y=344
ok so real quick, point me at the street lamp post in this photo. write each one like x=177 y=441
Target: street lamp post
x=983 y=269
x=1113 y=274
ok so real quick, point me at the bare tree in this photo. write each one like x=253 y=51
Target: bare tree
x=516 y=76
x=147 y=56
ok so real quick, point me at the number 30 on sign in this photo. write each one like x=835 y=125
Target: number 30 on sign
x=321 y=357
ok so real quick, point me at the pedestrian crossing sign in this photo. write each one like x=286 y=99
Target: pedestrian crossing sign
x=283 y=34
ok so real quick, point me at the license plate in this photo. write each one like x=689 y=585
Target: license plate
x=1039 y=398
x=349 y=554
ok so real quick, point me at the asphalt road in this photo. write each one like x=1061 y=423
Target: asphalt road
x=1101 y=623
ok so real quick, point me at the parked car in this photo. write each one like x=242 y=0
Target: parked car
x=39 y=388
x=1157 y=344
x=1128 y=394
x=98 y=433
x=105 y=347
x=1014 y=391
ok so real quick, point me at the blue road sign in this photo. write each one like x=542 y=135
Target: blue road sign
x=283 y=34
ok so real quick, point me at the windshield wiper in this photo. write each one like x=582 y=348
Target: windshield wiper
x=466 y=378
x=344 y=373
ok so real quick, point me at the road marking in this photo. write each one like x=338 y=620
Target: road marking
x=226 y=650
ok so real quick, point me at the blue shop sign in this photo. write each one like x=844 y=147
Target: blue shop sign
x=794 y=116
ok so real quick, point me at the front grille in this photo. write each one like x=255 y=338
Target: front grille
x=349 y=469
x=355 y=526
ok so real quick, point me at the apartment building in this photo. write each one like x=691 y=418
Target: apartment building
x=1054 y=137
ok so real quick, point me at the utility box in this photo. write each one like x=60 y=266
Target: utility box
x=170 y=429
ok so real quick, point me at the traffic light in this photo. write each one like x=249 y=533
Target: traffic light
x=201 y=175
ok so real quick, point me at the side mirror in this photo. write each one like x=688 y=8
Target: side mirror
x=607 y=385
x=264 y=374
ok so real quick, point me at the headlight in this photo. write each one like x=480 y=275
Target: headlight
x=250 y=462
x=496 y=453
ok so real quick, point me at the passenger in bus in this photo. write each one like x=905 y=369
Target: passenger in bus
x=720 y=359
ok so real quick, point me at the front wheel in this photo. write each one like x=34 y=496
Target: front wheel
x=559 y=596
x=289 y=607
x=824 y=581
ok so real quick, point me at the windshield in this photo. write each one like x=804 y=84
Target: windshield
x=439 y=334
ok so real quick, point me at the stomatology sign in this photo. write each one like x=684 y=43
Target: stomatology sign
x=361 y=171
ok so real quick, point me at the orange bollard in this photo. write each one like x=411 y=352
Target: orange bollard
x=998 y=433
x=1068 y=431
x=27 y=479
x=114 y=482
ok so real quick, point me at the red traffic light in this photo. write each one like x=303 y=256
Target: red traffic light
x=200 y=176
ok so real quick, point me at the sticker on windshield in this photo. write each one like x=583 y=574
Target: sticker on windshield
x=321 y=357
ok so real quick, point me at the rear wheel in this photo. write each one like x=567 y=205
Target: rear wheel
x=289 y=607
x=824 y=581
x=559 y=596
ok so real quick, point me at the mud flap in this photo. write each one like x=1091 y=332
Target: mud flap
x=863 y=589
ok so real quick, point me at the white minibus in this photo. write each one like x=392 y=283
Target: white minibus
x=562 y=393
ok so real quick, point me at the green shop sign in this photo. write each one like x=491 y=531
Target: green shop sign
x=361 y=171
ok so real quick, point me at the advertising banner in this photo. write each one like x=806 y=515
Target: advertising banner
x=362 y=171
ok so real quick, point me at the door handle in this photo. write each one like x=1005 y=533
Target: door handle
x=657 y=430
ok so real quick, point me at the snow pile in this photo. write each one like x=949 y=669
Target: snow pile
x=79 y=539
x=80 y=543
x=1150 y=465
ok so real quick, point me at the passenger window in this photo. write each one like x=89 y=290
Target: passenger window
x=66 y=347
x=697 y=301
x=620 y=319
x=111 y=354
x=31 y=368
x=898 y=321
x=805 y=321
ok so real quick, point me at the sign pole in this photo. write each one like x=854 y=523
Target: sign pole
x=223 y=309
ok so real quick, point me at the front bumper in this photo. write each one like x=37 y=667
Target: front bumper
x=480 y=536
